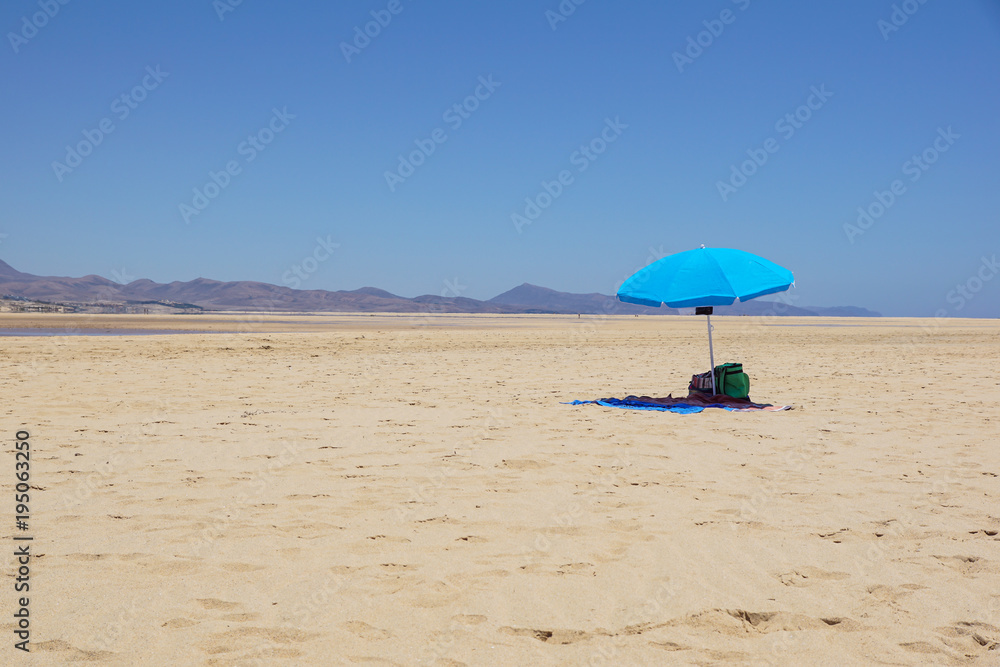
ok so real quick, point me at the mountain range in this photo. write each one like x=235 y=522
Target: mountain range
x=249 y=295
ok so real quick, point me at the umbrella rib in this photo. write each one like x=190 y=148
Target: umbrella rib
x=722 y=272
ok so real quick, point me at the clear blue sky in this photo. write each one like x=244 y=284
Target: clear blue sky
x=118 y=212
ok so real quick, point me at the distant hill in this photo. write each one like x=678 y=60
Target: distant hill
x=8 y=271
x=529 y=296
x=238 y=295
x=250 y=295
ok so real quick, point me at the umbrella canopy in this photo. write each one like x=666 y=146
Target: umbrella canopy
x=705 y=277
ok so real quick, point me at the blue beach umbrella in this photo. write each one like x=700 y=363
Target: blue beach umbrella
x=703 y=278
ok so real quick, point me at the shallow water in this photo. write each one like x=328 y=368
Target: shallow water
x=99 y=332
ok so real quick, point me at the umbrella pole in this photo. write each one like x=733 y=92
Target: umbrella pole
x=711 y=354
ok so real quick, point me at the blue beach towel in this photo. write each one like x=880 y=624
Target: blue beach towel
x=679 y=408
x=678 y=405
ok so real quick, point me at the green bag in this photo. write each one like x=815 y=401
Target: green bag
x=732 y=381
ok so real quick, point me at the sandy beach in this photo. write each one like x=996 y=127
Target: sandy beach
x=410 y=490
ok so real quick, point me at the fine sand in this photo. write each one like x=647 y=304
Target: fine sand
x=409 y=490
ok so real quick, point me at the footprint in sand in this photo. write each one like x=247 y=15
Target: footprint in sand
x=73 y=654
x=469 y=619
x=215 y=603
x=273 y=635
x=968 y=565
x=740 y=621
x=670 y=646
x=365 y=631
x=922 y=647
x=554 y=636
x=242 y=639
x=242 y=567
x=807 y=576
x=240 y=618
x=893 y=594
x=971 y=637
